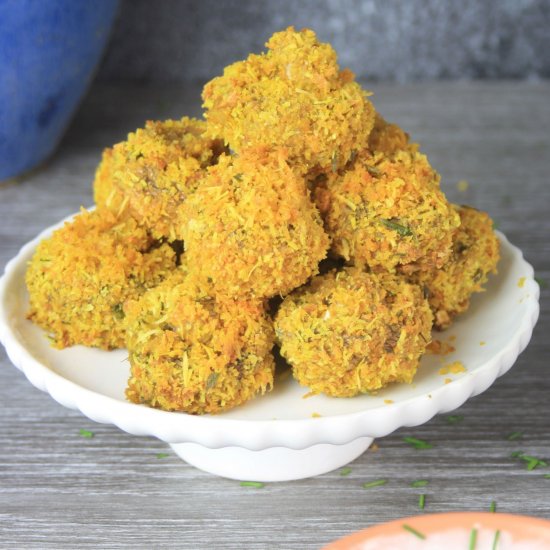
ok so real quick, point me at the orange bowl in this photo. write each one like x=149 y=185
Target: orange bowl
x=452 y=531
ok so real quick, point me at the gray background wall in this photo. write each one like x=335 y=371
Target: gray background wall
x=180 y=40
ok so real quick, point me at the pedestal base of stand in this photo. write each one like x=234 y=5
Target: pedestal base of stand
x=272 y=464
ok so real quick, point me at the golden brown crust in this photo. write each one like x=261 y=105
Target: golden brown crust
x=351 y=332
x=80 y=278
x=294 y=97
x=388 y=212
x=252 y=229
x=195 y=353
x=151 y=173
x=475 y=254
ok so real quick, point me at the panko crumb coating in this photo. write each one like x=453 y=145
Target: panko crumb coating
x=388 y=212
x=389 y=138
x=80 y=278
x=295 y=97
x=475 y=255
x=350 y=332
x=251 y=227
x=151 y=173
x=195 y=353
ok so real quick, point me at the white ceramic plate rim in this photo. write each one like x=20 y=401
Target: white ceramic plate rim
x=218 y=431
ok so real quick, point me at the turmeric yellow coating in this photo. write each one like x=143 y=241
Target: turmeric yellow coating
x=192 y=352
x=80 y=278
x=251 y=227
x=475 y=255
x=295 y=97
x=151 y=173
x=388 y=138
x=387 y=212
x=350 y=332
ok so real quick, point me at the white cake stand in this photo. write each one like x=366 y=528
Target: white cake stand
x=281 y=436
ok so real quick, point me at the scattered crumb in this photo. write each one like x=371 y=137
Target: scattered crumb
x=462 y=186
x=482 y=343
x=521 y=282
x=437 y=347
x=374 y=448
x=456 y=367
x=308 y=395
x=315 y=415
x=448 y=380
x=452 y=338
x=388 y=401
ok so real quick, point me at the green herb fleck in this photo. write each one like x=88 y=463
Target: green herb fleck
x=495 y=540
x=401 y=229
x=373 y=171
x=493 y=507
x=86 y=433
x=532 y=462
x=257 y=484
x=514 y=435
x=546 y=476
x=118 y=311
x=377 y=483
x=162 y=455
x=414 y=531
x=473 y=540
x=417 y=443
x=212 y=379
x=422 y=501
x=454 y=419
x=345 y=471
x=419 y=483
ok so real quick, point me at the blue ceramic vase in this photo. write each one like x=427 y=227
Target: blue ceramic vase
x=49 y=50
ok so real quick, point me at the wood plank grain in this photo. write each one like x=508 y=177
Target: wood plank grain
x=59 y=490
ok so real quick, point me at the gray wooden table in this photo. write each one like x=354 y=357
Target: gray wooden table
x=59 y=490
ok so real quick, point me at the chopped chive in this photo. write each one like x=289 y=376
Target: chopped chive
x=414 y=531
x=493 y=507
x=86 y=433
x=257 y=484
x=455 y=418
x=516 y=454
x=534 y=459
x=162 y=455
x=345 y=471
x=422 y=501
x=473 y=540
x=377 y=483
x=401 y=229
x=495 y=540
x=419 y=483
x=513 y=436
x=417 y=443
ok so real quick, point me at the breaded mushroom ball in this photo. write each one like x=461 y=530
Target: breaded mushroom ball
x=251 y=227
x=350 y=332
x=295 y=97
x=387 y=212
x=151 y=173
x=195 y=353
x=475 y=255
x=80 y=278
